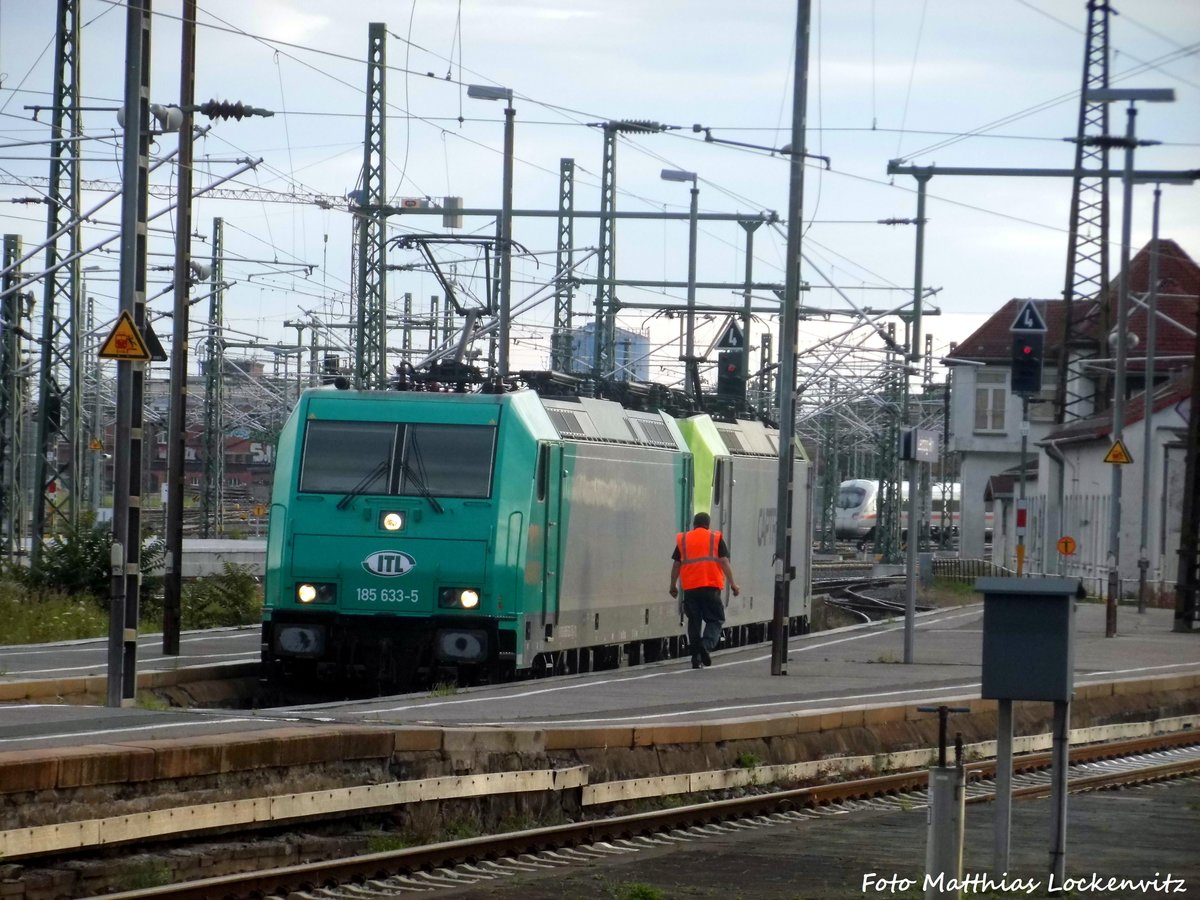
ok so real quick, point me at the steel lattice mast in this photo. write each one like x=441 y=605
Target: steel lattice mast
x=564 y=281
x=60 y=368
x=602 y=354
x=13 y=313
x=214 y=416
x=370 y=358
x=1086 y=313
x=887 y=529
x=606 y=249
x=830 y=479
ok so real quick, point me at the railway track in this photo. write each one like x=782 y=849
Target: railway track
x=854 y=596
x=463 y=863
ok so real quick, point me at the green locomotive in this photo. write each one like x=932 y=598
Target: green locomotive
x=418 y=537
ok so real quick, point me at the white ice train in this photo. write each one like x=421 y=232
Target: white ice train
x=857 y=509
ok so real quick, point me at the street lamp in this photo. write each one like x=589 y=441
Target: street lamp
x=490 y=92
x=1130 y=142
x=691 y=369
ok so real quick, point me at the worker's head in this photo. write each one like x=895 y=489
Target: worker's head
x=701 y=520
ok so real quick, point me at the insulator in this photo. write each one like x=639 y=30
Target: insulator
x=635 y=126
x=224 y=109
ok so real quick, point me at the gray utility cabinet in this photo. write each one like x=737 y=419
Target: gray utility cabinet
x=1028 y=638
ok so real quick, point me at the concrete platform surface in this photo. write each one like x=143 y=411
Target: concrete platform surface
x=834 y=670
x=826 y=670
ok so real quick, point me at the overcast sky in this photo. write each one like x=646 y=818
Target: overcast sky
x=951 y=82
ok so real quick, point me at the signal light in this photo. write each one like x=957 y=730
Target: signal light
x=1027 y=362
x=731 y=378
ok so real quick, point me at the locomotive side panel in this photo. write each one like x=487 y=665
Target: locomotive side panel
x=751 y=539
x=621 y=509
x=743 y=492
x=751 y=512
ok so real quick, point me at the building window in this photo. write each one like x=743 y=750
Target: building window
x=991 y=398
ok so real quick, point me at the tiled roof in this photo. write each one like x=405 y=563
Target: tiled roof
x=1178 y=298
x=1004 y=484
x=1170 y=392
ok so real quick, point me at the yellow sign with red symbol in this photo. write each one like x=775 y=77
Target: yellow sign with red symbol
x=1118 y=454
x=1066 y=545
x=125 y=342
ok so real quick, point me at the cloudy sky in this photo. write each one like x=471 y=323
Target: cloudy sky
x=946 y=82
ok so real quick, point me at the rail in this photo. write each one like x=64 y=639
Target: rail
x=492 y=850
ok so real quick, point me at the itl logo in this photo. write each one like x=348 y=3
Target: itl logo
x=389 y=563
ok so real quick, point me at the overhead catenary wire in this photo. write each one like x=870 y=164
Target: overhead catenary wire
x=809 y=223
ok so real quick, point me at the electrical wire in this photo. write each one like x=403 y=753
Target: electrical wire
x=912 y=72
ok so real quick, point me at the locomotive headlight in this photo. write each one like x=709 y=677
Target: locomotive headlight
x=392 y=521
x=458 y=598
x=319 y=592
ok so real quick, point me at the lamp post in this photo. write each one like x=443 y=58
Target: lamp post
x=490 y=92
x=1130 y=142
x=691 y=369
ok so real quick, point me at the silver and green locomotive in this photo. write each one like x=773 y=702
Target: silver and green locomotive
x=418 y=537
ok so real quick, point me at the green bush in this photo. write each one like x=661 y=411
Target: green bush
x=76 y=562
x=231 y=598
x=39 y=614
x=150 y=587
x=79 y=562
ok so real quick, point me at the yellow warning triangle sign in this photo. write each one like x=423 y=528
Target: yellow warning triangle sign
x=125 y=342
x=1118 y=454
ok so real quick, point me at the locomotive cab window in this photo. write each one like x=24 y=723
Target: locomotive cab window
x=347 y=456
x=448 y=460
x=393 y=459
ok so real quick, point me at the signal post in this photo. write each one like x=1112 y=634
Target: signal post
x=1029 y=344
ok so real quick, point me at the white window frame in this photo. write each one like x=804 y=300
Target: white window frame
x=991 y=401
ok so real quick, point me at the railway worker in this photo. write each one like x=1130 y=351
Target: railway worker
x=701 y=564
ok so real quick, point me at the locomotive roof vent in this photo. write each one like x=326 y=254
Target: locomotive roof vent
x=731 y=439
x=655 y=433
x=567 y=423
x=748 y=438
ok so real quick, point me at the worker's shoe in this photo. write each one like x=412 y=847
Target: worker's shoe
x=696 y=663
x=704 y=657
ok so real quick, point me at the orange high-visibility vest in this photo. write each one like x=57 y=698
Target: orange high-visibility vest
x=698 y=557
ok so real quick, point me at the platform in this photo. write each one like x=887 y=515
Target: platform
x=855 y=667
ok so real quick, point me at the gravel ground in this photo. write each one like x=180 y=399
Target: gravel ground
x=1139 y=833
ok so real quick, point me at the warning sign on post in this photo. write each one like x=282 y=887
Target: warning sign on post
x=1118 y=454
x=125 y=342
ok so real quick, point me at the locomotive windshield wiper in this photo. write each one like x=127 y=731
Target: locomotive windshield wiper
x=360 y=488
x=419 y=484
